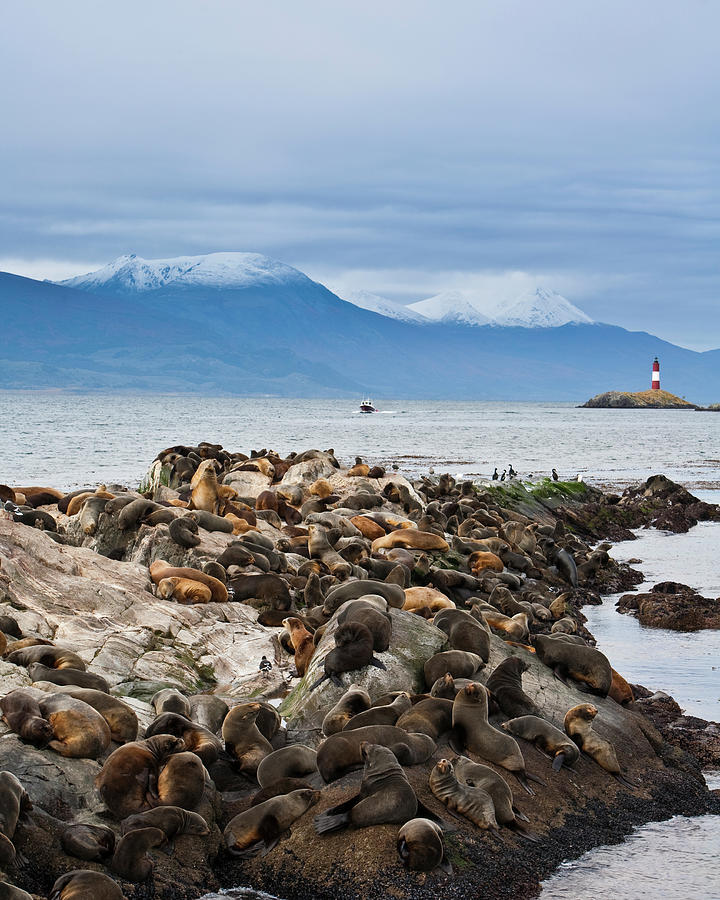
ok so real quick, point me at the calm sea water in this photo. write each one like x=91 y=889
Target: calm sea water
x=73 y=440
x=67 y=441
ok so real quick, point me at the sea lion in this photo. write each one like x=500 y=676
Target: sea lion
x=21 y=712
x=459 y=663
x=515 y=627
x=420 y=846
x=368 y=527
x=381 y=715
x=432 y=717
x=129 y=773
x=121 y=718
x=472 y=802
x=208 y=710
x=171 y=700
x=11 y=892
x=302 y=642
x=243 y=739
x=413 y=538
x=422 y=599
x=48 y=655
x=481 y=561
x=210 y=522
x=184 y=590
x=172 y=820
x=258 y=829
x=578 y=725
x=355 y=700
x=353 y=590
x=198 y=740
x=205 y=488
x=90 y=842
x=281 y=786
x=83 y=884
x=10 y=626
x=566 y=566
x=266 y=589
x=35 y=518
x=586 y=665
x=90 y=513
x=160 y=570
x=464 y=632
x=14 y=801
x=385 y=795
x=184 y=531
x=445 y=687
x=181 y=781
x=376 y=621
x=293 y=761
x=21 y=643
x=340 y=753
x=268 y=719
x=80 y=732
x=130 y=859
x=564 y=626
x=505 y=687
x=477 y=775
x=39 y=672
x=470 y=722
x=546 y=738
x=133 y=513
x=353 y=650
x=620 y=691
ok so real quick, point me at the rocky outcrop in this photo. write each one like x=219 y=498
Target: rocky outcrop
x=638 y=400
x=674 y=606
x=689 y=734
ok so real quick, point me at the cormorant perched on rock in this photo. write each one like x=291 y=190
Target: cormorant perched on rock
x=502 y=477
x=511 y=472
x=495 y=475
x=555 y=475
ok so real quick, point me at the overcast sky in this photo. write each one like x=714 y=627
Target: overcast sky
x=401 y=147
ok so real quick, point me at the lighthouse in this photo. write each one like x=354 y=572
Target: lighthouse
x=655 y=383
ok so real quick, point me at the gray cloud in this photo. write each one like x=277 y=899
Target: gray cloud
x=402 y=143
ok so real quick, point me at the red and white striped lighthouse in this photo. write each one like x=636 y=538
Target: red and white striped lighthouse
x=655 y=383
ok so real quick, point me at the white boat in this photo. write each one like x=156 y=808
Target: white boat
x=366 y=406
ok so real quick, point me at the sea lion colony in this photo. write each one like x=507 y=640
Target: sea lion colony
x=330 y=560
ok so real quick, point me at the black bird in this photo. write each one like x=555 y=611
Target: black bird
x=265 y=664
x=502 y=477
x=495 y=475
x=555 y=475
x=511 y=472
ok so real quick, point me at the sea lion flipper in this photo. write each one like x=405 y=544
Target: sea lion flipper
x=558 y=762
x=320 y=680
x=424 y=812
x=524 y=832
x=446 y=865
x=626 y=781
x=336 y=680
x=378 y=663
x=325 y=822
x=523 y=781
x=535 y=778
x=519 y=814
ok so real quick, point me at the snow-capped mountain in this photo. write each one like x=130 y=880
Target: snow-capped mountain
x=540 y=308
x=132 y=274
x=382 y=306
x=452 y=308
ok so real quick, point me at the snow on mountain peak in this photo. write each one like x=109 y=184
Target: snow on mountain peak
x=451 y=307
x=382 y=306
x=541 y=308
x=131 y=274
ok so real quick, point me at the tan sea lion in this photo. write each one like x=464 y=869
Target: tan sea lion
x=181 y=781
x=302 y=642
x=198 y=740
x=355 y=700
x=578 y=725
x=204 y=485
x=620 y=690
x=160 y=570
x=130 y=860
x=121 y=718
x=422 y=598
x=368 y=527
x=184 y=590
x=420 y=846
x=481 y=561
x=258 y=829
x=243 y=739
x=413 y=538
x=126 y=778
x=83 y=884
x=293 y=761
x=515 y=627
x=385 y=796
x=80 y=732
x=472 y=802
x=546 y=737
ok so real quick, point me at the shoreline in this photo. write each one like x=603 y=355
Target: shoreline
x=204 y=653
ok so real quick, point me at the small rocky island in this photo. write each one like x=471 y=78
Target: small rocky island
x=638 y=400
x=179 y=662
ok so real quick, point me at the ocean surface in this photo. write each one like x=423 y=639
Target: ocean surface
x=71 y=440
x=67 y=441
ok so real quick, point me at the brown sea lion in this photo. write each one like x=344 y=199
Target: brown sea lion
x=121 y=718
x=353 y=590
x=172 y=820
x=464 y=632
x=340 y=753
x=208 y=710
x=160 y=570
x=10 y=626
x=546 y=737
x=302 y=642
x=514 y=627
x=243 y=739
x=80 y=732
x=198 y=740
x=39 y=672
x=375 y=619
x=459 y=663
x=470 y=722
x=258 y=829
x=11 y=892
x=47 y=655
x=420 y=846
x=472 y=802
x=181 y=781
x=381 y=715
x=129 y=773
x=21 y=712
x=578 y=725
x=83 y=884
x=432 y=717
x=130 y=860
x=353 y=650
x=268 y=719
x=184 y=531
x=477 y=775
x=293 y=761
x=21 y=643
x=620 y=690
x=385 y=795
x=171 y=700
x=505 y=686
x=90 y=842
x=14 y=801
x=445 y=687
x=586 y=665
x=355 y=700
x=265 y=589
x=281 y=786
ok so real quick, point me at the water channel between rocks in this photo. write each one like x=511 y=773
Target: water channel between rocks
x=678 y=858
